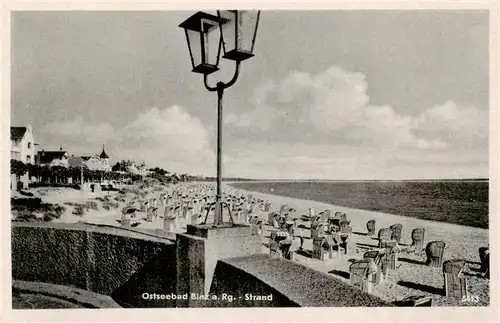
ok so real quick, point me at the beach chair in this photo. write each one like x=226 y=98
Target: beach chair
x=125 y=223
x=345 y=227
x=317 y=229
x=323 y=247
x=370 y=227
x=377 y=257
x=149 y=214
x=362 y=274
x=169 y=219
x=417 y=237
x=168 y=211
x=343 y=241
x=396 y=232
x=333 y=225
x=271 y=220
x=455 y=283
x=238 y=215
x=125 y=212
x=284 y=210
x=390 y=259
x=189 y=212
x=291 y=227
x=434 y=251
x=324 y=216
x=144 y=206
x=267 y=207
x=255 y=225
x=384 y=236
x=484 y=256
x=280 y=245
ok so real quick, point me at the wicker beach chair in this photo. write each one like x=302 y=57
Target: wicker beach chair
x=396 y=232
x=417 y=237
x=361 y=272
x=370 y=227
x=434 y=251
x=455 y=283
x=484 y=256
x=377 y=257
x=280 y=245
x=384 y=235
x=323 y=247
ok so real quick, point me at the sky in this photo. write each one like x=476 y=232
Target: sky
x=328 y=95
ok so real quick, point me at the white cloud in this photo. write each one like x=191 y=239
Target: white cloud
x=79 y=129
x=326 y=122
x=305 y=126
x=334 y=106
x=459 y=126
x=169 y=138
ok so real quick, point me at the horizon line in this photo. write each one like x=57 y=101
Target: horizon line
x=350 y=180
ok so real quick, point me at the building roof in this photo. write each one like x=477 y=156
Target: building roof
x=103 y=153
x=48 y=156
x=75 y=161
x=17 y=133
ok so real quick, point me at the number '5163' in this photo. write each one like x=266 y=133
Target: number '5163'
x=470 y=298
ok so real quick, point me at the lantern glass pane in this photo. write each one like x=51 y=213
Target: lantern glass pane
x=212 y=44
x=228 y=30
x=247 y=22
x=195 y=47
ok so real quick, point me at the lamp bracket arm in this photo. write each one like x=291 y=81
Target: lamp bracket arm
x=208 y=87
x=235 y=76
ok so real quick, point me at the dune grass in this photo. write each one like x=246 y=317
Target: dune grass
x=34 y=210
x=81 y=208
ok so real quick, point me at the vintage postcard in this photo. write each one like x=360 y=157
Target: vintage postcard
x=170 y=162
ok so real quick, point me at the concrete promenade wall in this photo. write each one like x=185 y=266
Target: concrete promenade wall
x=105 y=260
x=125 y=264
x=290 y=284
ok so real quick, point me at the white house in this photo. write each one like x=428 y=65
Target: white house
x=22 y=148
x=98 y=162
x=22 y=144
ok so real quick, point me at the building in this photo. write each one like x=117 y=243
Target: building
x=53 y=158
x=22 y=144
x=140 y=170
x=98 y=162
x=23 y=149
x=105 y=159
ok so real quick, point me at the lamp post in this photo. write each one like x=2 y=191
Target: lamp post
x=233 y=31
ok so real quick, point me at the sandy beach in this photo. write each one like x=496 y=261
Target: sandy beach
x=410 y=278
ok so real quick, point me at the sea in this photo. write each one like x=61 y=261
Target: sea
x=462 y=202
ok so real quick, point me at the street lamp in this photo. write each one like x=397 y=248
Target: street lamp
x=234 y=31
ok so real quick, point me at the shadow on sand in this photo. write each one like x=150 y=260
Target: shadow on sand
x=304 y=252
x=340 y=273
x=422 y=288
x=411 y=261
x=364 y=245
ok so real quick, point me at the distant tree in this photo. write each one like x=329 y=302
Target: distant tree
x=60 y=173
x=18 y=167
x=34 y=171
x=116 y=167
